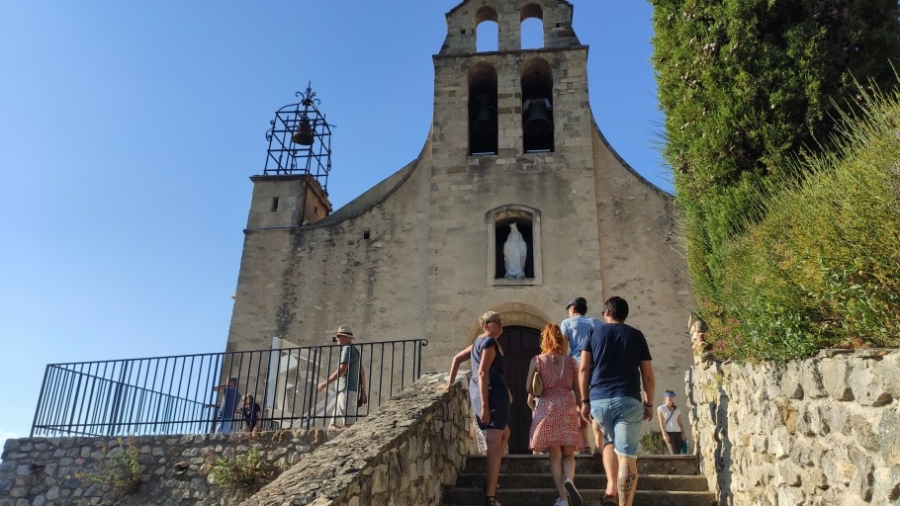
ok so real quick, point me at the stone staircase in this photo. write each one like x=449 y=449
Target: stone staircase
x=663 y=480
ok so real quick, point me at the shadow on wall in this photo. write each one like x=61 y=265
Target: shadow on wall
x=715 y=450
x=719 y=414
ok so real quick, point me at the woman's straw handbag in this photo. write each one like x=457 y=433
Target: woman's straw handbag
x=537 y=384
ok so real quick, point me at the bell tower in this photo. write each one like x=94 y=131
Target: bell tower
x=293 y=189
x=512 y=150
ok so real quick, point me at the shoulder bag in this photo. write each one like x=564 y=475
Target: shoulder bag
x=537 y=384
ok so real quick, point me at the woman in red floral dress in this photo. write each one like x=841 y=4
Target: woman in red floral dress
x=555 y=425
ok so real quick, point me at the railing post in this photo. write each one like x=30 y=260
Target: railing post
x=37 y=408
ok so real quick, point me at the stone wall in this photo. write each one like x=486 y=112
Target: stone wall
x=823 y=431
x=403 y=453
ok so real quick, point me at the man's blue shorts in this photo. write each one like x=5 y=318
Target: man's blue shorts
x=621 y=419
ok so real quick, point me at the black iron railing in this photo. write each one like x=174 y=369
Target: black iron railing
x=182 y=394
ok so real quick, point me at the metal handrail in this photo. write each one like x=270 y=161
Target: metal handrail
x=181 y=394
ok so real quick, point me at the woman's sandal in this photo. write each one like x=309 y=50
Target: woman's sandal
x=609 y=500
x=490 y=500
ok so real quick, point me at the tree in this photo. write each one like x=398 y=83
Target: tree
x=745 y=86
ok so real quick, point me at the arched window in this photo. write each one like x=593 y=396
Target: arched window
x=537 y=106
x=483 y=138
x=487 y=31
x=532 y=27
x=514 y=246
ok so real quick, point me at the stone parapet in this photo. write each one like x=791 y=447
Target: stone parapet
x=820 y=431
x=405 y=452
x=172 y=469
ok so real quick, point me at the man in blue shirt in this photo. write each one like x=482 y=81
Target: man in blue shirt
x=577 y=328
x=615 y=364
x=228 y=405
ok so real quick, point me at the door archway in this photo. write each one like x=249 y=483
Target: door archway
x=519 y=345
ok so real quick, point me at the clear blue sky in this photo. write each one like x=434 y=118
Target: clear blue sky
x=128 y=132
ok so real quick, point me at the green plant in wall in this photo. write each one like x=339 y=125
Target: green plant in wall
x=243 y=474
x=119 y=473
x=652 y=442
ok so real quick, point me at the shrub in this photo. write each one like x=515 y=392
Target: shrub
x=119 y=473
x=243 y=474
x=653 y=443
x=822 y=269
x=745 y=85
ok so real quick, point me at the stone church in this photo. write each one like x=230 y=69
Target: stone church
x=513 y=146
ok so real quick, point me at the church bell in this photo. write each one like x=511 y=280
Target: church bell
x=484 y=119
x=537 y=121
x=304 y=133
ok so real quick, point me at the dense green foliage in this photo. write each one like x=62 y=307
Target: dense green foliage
x=653 y=443
x=745 y=85
x=120 y=473
x=822 y=268
x=243 y=474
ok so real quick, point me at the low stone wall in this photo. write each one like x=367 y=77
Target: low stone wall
x=823 y=431
x=403 y=453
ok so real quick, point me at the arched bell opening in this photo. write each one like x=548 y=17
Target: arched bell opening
x=483 y=138
x=532 y=27
x=487 y=30
x=537 y=107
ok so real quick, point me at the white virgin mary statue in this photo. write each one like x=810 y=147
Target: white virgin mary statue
x=515 y=251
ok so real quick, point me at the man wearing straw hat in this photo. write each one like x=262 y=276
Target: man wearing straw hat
x=351 y=380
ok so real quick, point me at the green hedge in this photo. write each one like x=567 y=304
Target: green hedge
x=822 y=268
x=745 y=85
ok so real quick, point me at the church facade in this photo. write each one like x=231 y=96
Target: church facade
x=513 y=149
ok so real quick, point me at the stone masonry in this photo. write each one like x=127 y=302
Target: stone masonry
x=405 y=452
x=816 y=432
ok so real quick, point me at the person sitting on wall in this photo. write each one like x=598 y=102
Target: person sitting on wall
x=350 y=377
x=252 y=414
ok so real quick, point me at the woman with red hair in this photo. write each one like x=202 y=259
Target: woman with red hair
x=556 y=425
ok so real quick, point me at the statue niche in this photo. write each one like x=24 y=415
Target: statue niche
x=515 y=259
x=515 y=252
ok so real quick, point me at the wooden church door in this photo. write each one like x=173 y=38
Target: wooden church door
x=519 y=345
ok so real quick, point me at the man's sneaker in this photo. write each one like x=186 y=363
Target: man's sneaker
x=574 y=496
x=560 y=502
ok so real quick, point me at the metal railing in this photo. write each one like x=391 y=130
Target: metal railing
x=182 y=394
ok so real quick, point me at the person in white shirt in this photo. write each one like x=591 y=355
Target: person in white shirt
x=670 y=424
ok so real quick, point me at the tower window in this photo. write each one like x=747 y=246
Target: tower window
x=483 y=131
x=532 y=27
x=274 y=204
x=537 y=107
x=487 y=31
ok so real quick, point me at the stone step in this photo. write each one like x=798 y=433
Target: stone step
x=546 y=497
x=586 y=464
x=511 y=481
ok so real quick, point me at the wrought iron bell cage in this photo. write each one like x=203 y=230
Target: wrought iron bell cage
x=300 y=140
